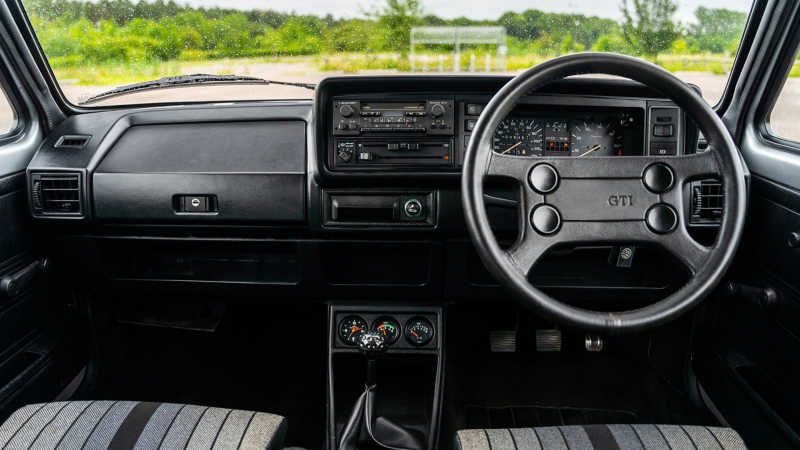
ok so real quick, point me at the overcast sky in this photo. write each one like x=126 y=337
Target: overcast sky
x=474 y=9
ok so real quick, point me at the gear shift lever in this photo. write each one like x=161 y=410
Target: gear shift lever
x=372 y=345
x=363 y=429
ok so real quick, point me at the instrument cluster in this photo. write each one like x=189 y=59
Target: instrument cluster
x=609 y=135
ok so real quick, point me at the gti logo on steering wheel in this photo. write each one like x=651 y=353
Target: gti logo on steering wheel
x=620 y=200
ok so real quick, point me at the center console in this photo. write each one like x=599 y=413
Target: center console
x=403 y=385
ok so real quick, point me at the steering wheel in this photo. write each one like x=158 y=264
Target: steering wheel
x=601 y=200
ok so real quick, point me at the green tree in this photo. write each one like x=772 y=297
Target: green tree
x=716 y=29
x=397 y=18
x=650 y=28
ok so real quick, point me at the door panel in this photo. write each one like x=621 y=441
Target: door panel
x=43 y=342
x=747 y=359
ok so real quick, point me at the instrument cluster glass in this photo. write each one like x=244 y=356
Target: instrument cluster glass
x=615 y=134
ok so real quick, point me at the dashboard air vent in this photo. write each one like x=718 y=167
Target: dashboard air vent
x=56 y=194
x=73 y=141
x=707 y=202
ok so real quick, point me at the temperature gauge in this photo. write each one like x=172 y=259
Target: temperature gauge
x=419 y=331
x=389 y=328
x=351 y=328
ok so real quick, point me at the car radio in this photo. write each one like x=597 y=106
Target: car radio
x=382 y=118
x=392 y=134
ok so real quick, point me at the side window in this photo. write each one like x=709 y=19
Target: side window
x=785 y=116
x=8 y=116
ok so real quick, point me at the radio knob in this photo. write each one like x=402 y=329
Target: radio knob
x=437 y=110
x=346 y=110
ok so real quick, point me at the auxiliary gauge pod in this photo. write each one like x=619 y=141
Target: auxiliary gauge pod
x=363 y=430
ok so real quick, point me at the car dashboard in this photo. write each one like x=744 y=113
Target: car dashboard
x=356 y=194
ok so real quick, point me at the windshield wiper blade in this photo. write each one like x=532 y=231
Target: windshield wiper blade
x=196 y=79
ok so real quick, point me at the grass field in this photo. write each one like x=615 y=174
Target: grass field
x=352 y=63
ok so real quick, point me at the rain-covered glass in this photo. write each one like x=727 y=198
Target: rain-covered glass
x=94 y=46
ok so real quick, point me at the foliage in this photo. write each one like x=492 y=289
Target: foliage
x=653 y=29
x=397 y=18
x=92 y=39
x=716 y=30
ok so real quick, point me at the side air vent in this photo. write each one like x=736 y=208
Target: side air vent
x=56 y=194
x=73 y=141
x=706 y=202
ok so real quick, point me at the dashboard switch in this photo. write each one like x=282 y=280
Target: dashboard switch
x=413 y=208
x=474 y=109
x=663 y=130
x=366 y=156
x=663 y=148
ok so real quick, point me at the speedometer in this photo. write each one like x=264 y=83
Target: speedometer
x=592 y=138
x=518 y=136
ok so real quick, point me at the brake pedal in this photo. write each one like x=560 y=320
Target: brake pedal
x=503 y=341
x=548 y=340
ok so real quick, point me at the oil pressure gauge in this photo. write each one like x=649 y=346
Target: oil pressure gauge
x=419 y=331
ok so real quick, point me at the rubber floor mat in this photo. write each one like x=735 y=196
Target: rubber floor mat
x=542 y=416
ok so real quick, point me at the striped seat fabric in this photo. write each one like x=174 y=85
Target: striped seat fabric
x=601 y=437
x=101 y=425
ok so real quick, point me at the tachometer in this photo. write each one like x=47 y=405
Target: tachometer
x=518 y=136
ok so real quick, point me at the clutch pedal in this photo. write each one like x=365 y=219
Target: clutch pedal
x=548 y=340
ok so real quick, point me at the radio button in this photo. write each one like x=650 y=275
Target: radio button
x=364 y=130
x=393 y=146
x=422 y=129
x=413 y=146
x=386 y=130
x=345 y=155
x=346 y=110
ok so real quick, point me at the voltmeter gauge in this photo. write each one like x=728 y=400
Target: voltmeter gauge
x=351 y=328
x=389 y=328
x=419 y=331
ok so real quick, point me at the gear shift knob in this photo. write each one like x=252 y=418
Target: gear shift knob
x=372 y=345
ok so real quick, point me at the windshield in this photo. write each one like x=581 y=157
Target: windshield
x=94 y=46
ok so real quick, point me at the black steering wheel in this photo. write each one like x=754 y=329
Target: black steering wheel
x=602 y=200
